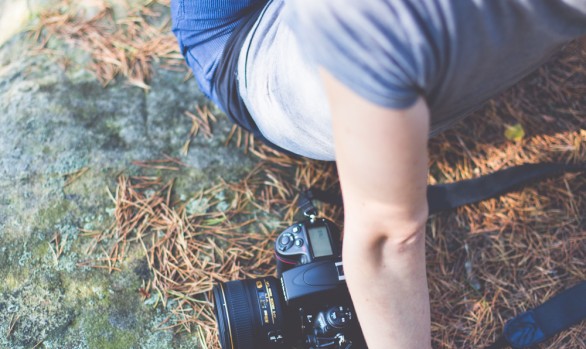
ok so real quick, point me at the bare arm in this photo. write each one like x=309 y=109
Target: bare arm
x=382 y=161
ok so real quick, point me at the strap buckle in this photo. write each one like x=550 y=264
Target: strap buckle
x=306 y=205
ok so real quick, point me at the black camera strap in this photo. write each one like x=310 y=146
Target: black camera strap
x=306 y=198
x=449 y=196
x=534 y=326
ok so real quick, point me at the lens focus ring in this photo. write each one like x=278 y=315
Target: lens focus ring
x=240 y=308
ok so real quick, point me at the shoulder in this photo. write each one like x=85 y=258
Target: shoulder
x=386 y=50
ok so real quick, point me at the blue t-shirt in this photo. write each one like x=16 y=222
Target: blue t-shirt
x=202 y=28
x=454 y=54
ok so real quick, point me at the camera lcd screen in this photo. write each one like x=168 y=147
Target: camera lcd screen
x=320 y=242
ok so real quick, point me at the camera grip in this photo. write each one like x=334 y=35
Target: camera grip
x=312 y=278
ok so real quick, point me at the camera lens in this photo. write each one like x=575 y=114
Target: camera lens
x=250 y=314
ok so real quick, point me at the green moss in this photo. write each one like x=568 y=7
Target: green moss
x=40 y=250
x=117 y=324
x=83 y=289
x=13 y=275
x=47 y=218
x=12 y=281
x=102 y=335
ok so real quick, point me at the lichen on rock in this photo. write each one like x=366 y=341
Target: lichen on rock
x=64 y=141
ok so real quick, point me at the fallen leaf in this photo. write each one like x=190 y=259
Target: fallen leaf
x=514 y=132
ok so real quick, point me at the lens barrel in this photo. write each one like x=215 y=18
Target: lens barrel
x=250 y=314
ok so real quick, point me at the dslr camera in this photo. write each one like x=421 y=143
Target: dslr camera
x=306 y=306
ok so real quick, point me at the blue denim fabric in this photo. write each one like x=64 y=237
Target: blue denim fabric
x=202 y=28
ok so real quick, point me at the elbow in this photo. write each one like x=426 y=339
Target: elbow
x=412 y=233
x=378 y=246
x=378 y=227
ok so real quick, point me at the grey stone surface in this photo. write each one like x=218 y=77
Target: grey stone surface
x=54 y=122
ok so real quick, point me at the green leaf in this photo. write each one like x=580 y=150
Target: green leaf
x=514 y=132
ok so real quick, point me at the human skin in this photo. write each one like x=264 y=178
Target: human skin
x=382 y=157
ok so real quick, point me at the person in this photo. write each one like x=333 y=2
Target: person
x=365 y=83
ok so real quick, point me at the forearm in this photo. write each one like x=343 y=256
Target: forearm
x=381 y=155
x=387 y=282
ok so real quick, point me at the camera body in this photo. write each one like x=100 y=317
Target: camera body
x=306 y=306
x=310 y=269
